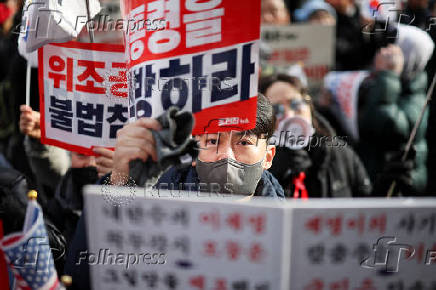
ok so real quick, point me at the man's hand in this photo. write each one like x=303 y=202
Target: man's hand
x=134 y=141
x=104 y=160
x=29 y=122
x=390 y=58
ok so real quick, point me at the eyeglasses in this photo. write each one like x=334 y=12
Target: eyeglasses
x=295 y=105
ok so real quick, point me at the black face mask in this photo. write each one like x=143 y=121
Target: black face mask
x=84 y=176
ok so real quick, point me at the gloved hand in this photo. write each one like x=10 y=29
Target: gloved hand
x=398 y=171
x=288 y=162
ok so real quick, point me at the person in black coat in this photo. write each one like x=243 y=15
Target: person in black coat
x=358 y=38
x=330 y=167
x=13 y=204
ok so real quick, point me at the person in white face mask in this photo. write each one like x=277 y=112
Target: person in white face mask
x=313 y=162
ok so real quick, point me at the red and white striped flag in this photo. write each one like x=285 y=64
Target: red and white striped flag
x=28 y=253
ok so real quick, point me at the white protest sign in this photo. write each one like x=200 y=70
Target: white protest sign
x=83 y=95
x=364 y=244
x=300 y=43
x=203 y=243
x=174 y=243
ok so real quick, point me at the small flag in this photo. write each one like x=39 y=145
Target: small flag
x=28 y=253
x=46 y=21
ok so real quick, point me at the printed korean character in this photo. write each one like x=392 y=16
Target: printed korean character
x=256 y=253
x=262 y=286
x=136 y=32
x=115 y=238
x=151 y=279
x=315 y=253
x=110 y=276
x=135 y=214
x=407 y=223
x=395 y=285
x=315 y=284
x=156 y=214
x=357 y=223
x=204 y=25
x=211 y=219
x=88 y=74
x=113 y=212
x=220 y=284
x=248 y=69
x=258 y=223
x=199 y=82
x=119 y=86
x=343 y=284
x=299 y=54
x=367 y=284
x=378 y=222
x=118 y=112
x=182 y=244
x=210 y=248
x=335 y=225
x=136 y=240
x=240 y=285
x=131 y=277
x=228 y=59
x=428 y=223
x=61 y=114
x=338 y=253
x=169 y=10
x=420 y=253
x=160 y=243
x=59 y=71
x=417 y=285
x=93 y=113
x=234 y=221
x=180 y=216
x=171 y=77
x=233 y=250
x=163 y=41
x=362 y=251
x=198 y=282
x=314 y=224
x=171 y=281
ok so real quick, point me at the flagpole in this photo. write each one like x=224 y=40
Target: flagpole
x=28 y=70
x=90 y=32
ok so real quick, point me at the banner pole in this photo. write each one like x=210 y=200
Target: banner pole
x=90 y=32
x=28 y=76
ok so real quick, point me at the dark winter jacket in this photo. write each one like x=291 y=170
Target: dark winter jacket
x=356 y=42
x=13 y=204
x=388 y=112
x=333 y=168
x=268 y=185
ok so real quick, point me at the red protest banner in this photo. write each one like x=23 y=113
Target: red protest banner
x=199 y=56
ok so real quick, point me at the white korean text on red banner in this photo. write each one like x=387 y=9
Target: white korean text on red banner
x=201 y=57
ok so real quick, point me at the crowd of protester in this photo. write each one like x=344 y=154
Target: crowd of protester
x=401 y=63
